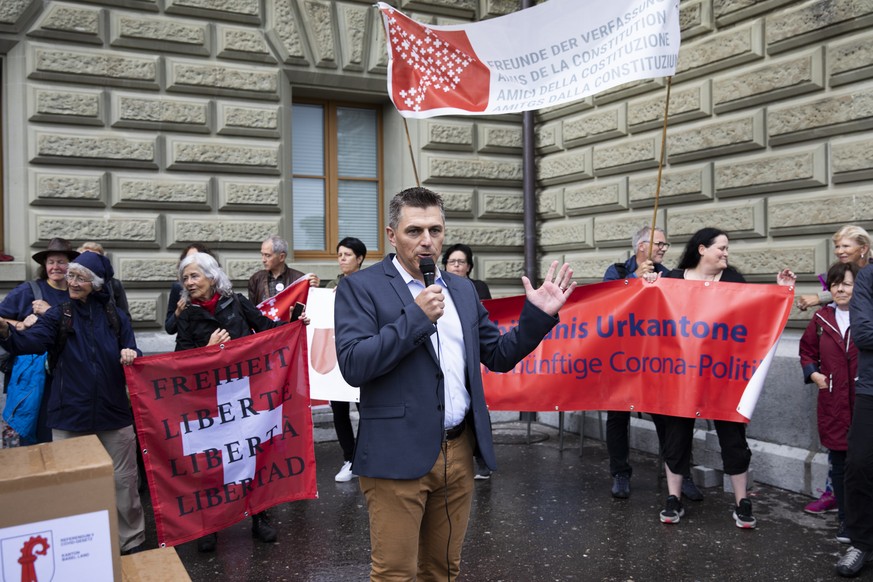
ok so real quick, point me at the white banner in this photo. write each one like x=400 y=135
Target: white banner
x=553 y=53
x=325 y=380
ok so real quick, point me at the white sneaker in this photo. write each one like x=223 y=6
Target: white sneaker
x=345 y=473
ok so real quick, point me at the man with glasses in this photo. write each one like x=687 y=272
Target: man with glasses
x=647 y=265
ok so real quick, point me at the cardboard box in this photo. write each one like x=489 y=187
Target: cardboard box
x=161 y=565
x=57 y=512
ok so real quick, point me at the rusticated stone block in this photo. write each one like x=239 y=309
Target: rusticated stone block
x=70 y=23
x=548 y=203
x=815 y=21
x=235 y=194
x=377 y=59
x=147 y=191
x=728 y=11
x=103 y=149
x=832 y=115
x=462 y=8
x=441 y=135
x=772 y=173
x=223 y=232
x=617 y=230
x=62 y=188
x=850 y=60
x=11 y=13
x=285 y=32
x=739 y=219
x=819 y=214
x=500 y=7
x=144 y=310
x=564 y=167
x=216 y=156
x=573 y=233
x=318 y=23
x=852 y=160
x=249 y=120
x=762 y=262
x=590 y=267
x=599 y=125
x=504 y=270
x=601 y=196
x=242 y=269
x=687 y=103
x=561 y=111
x=501 y=203
x=236 y=42
x=505 y=237
x=160 y=113
x=128 y=232
x=497 y=171
x=627 y=90
x=353 y=28
x=499 y=139
x=723 y=50
x=695 y=18
x=233 y=10
x=93 y=67
x=547 y=139
x=164 y=34
x=677 y=185
x=150 y=270
x=775 y=81
x=741 y=133
x=50 y=104
x=458 y=203
x=212 y=79
x=626 y=156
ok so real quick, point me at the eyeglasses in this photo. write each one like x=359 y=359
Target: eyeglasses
x=73 y=278
x=456 y=262
x=662 y=245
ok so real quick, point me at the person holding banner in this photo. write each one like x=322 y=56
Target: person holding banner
x=706 y=259
x=830 y=361
x=414 y=339
x=646 y=263
x=89 y=339
x=175 y=303
x=276 y=274
x=350 y=254
x=214 y=314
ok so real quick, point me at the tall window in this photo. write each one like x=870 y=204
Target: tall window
x=337 y=176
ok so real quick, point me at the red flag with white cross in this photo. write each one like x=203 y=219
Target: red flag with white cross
x=279 y=306
x=226 y=430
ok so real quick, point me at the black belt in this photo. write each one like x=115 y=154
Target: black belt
x=455 y=431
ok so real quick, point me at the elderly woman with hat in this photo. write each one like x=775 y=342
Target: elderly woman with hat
x=31 y=299
x=89 y=339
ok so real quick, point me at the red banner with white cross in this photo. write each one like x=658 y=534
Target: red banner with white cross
x=684 y=348
x=226 y=430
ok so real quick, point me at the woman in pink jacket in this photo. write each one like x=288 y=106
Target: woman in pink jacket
x=830 y=361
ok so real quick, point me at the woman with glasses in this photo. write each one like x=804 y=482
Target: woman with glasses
x=23 y=306
x=458 y=260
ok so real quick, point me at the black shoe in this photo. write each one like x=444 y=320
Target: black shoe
x=133 y=550
x=207 y=543
x=690 y=490
x=673 y=511
x=743 y=514
x=842 y=536
x=621 y=486
x=853 y=561
x=261 y=528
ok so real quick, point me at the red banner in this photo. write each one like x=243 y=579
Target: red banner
x=226 y=431
x=684 y=348
x=279 y=306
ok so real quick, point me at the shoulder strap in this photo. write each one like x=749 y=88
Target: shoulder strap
x=112 y=316
x=37 y=292
x=63 y=333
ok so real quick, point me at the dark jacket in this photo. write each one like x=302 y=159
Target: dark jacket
x=175 y=295
x=383 y=345
x=823 y=349
x=729 y=275
x=258 y=288
x=861 y=309
x=613 y=273
x=236 y=314
x=482 y=289
x=88 y=386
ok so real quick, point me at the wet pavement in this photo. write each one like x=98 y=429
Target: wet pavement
x=547 y=515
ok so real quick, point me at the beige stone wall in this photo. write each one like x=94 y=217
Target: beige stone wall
x=149 y=124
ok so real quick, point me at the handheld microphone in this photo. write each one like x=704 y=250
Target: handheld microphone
x=428 y=270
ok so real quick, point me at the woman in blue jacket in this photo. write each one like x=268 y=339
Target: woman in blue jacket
x=89 y=340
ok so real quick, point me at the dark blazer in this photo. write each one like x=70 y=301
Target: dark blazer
x=383 y=345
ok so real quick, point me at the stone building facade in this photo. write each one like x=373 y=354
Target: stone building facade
x=150 y=124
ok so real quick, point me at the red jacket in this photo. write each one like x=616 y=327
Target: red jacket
x=823 y=349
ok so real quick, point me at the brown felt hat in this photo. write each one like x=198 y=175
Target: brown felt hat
x=56 y=245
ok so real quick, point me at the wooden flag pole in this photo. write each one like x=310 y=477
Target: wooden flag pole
x=411 y=155
x=660 y=168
